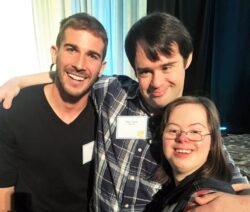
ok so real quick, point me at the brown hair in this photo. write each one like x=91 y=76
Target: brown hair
x=85 y=22
x=216 y=165
x=156 y=33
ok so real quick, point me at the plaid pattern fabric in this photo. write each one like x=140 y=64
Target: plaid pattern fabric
x=123 y=167
x=237 y=176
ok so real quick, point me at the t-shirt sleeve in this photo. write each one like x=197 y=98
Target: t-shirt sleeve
x=8 y=153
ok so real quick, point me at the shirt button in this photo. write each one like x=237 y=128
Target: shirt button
x=126 y=205
x=115 y=207
x=103 y=157
x=132 y=177
x=139 y=150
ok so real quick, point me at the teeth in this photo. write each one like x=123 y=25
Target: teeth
x=186 y=151
x=76 y=77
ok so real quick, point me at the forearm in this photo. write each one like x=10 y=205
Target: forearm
x=12 y=87
x=5 y=199
x=219 y=201
x=244 y=201
x=33 y=79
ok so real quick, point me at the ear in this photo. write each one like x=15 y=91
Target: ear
x=53 y=53
x=189 y=60
x=104 y=63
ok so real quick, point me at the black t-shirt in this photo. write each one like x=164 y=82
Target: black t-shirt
x=42 y=156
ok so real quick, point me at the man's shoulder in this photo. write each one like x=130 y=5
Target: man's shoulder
x=123 y=80
x=32 y=89
x=26 y=98
x=30 y=92
x=113 y=89
x=116 y=82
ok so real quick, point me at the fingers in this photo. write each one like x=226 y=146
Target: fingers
x=220 y=201
x=8 y=91
x=7 y=97
x=202 y=200
x=240 y=186
x=2 y=98
x=7 y=103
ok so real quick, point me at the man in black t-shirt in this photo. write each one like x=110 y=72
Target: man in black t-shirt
x=47 y=137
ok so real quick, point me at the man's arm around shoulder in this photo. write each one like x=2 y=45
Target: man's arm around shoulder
x=222 y=202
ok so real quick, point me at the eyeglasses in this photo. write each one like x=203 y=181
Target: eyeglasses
x=192 y=135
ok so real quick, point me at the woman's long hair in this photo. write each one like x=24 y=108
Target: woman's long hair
x=216 y=165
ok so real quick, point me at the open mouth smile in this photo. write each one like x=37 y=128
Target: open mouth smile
x=76 y=77
x=184 y=151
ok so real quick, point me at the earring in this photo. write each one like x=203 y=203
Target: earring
x=53 y=67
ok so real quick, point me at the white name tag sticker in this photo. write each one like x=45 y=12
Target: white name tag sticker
x=131 y=127
x=87 y=152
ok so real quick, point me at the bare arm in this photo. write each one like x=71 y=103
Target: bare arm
x=222 y=202
x=5 y=199
x=242 y=188
x=12 y=87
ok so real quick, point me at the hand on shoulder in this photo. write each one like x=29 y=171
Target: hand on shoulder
x=8 y=91
x=220 y=201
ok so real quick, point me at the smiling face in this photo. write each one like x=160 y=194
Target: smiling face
x=79 y=62
x=186 y=156
x=160 y=81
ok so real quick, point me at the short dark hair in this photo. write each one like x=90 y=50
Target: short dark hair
x=157 y=32
x=216 y=165
x=85 y=22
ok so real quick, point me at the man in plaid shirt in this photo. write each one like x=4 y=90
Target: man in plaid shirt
x=126 y=161
x=159 y=49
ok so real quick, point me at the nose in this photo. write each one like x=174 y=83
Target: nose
x=157 y=79
x=182 y=137
x=80 y=63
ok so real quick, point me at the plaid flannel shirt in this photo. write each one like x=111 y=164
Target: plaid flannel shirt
x=124 y=167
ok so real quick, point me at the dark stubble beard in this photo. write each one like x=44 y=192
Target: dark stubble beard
x=67 y=97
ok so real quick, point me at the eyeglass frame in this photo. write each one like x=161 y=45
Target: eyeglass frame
x=178 y=134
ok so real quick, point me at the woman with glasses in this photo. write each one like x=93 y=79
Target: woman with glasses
x=192 y=155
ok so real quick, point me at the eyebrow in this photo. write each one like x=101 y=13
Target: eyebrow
x=173 y=124
x=143 y=69
x=162 y=65
x=169 y=63
x=198 y=124
x=71 y=45
x=89 y=51
x=188 y=125
x=96 y=53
